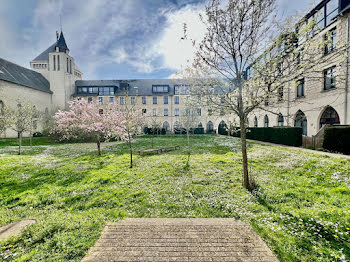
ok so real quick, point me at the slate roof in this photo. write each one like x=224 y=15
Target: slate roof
x=60 y=43
x=144 y=86
x=23 y=76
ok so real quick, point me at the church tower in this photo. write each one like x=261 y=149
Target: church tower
x=59 y=68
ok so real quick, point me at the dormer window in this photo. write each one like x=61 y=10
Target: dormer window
x=160 y=88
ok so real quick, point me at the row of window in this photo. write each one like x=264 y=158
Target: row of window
x=105 y=91
x=176 y=111
x=178 y=89
x=77 y=74
x=160 y=89
x=133 y=100
x=330 y=11
x=40 y=66
x=326 y=14
x=329 y=79
x=102 y=91
x=154 y=110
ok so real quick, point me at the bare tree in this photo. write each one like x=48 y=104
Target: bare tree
x=242 y=64
x=34 y=117
x=189 y=121
x=6 y=118
x=22 y=120
x=132 y=121
x=236 y=32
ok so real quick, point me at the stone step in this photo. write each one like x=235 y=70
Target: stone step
x=179 y=239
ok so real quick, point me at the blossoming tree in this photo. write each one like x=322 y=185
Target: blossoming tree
x=83 y=118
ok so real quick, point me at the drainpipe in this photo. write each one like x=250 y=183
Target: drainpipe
x=347 y=73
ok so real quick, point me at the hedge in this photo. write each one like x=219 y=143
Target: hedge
x=151 y=131
x=290 y=136
x=337 y=139
x=182 y=131
x=197 y=130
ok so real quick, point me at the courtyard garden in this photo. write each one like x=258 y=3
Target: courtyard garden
x=301 y=207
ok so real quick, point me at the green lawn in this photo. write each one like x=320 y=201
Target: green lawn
x=36 y=141
x=302 y=208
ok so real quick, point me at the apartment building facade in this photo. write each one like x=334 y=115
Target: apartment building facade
x=318 y=95
x=163 y=101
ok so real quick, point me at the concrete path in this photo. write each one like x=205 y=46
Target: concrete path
x=179 y=239
x=14 y=229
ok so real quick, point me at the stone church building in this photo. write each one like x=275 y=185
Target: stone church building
x=49 y=84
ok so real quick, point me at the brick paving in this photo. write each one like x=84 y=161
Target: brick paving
x=179 y=239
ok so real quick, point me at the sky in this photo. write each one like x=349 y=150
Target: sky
x=110 y=39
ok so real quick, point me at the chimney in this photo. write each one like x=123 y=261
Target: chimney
x=57 y=35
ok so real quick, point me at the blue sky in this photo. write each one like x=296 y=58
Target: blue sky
x=109 y=39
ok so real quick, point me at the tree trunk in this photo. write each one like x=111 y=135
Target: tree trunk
x=245 y=177
x=31 y=139
x=19 y=142
x=98 y=146
x=130 y=148
x=188 y=147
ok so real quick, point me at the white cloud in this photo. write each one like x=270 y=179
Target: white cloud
x=144 y=35
x=119 y=55
x=179 y=53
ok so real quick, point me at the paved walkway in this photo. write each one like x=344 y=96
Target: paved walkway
x=179 y=239
x=14 y=229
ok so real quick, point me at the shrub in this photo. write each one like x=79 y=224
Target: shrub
x=290 y=136
x=179 y=131
x=337 y=139
x=38 y=134
x=197 y=130
x=151 y=131
x=222 y=130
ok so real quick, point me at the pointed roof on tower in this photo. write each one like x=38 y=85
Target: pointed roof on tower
x=60 y=43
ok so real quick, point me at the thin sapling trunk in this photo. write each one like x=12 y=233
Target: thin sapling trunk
x=98 y=146
x=245 y=183
x=19 y=142
x=130 y=148
x=188 y=147
x=31 y=139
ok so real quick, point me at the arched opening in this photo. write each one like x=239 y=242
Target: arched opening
x=301 y=121
x=222 y=128
x=210 y=127
x=200 y=125
x=166 y=126
x=177 y=127
x=266 y=121
x=255 y=121
x=280 y=120
x=329 y=117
